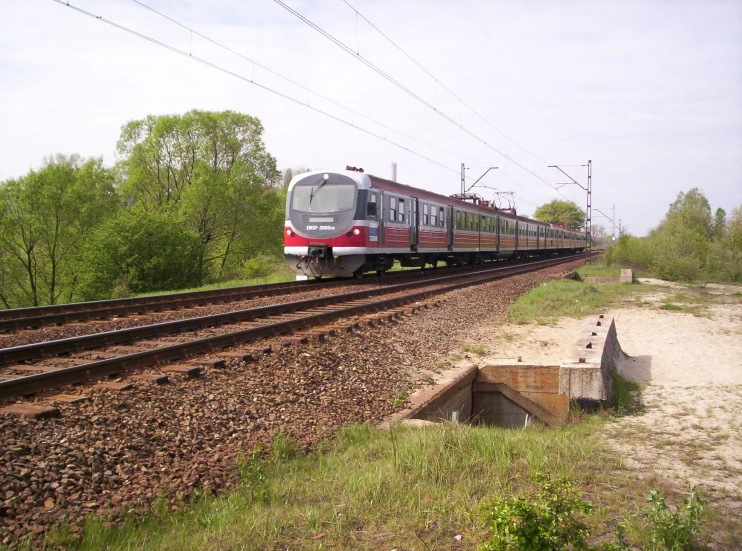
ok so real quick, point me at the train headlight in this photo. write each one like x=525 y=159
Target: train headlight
x=356 y=232
x=290 y=233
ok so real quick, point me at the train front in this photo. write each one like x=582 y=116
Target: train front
x=326 y=230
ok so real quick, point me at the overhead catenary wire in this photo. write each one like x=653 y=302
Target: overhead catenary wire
x=303 y=87
x=438 y=81
x=250 y=81
x=407 y=90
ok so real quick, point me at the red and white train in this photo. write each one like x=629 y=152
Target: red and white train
x=346 y=223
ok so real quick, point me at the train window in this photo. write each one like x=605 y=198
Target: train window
x=372 y=210
x=433 y=216
x=458 y=219
x=441 y=218
x=426 y=215
x=401 y=210
x=393 y=209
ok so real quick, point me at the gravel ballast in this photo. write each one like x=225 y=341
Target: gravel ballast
x=116 y=454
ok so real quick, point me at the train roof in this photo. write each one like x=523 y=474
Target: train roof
x=369 y=181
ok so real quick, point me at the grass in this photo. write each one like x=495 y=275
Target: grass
x=405 y=488
x=375 y=489
x=477 y=349
x=564 y=297
x=277 y=277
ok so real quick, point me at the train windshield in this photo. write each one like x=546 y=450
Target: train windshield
x=323 y=198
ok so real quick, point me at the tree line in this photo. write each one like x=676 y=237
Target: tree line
x=690 y=244
x=193 y=198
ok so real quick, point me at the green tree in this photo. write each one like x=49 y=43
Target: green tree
x=213 y=166
x=46 y=217
x=563 y=213
x=720 y=224
x=288 y=174
x=138 y=252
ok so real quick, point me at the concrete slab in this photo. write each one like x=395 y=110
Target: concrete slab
x=69 y=398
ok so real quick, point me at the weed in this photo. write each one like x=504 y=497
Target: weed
x=547 y=520
x=625 y=393
x=478 y=349
x=253 y=475
x=674 y=531
x=284 y=447
x=400 y=399
x=672 y=307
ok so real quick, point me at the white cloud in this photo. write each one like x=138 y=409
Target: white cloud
x=651 y=92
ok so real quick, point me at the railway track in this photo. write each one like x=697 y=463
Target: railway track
x=59 y=314
x=184 y=340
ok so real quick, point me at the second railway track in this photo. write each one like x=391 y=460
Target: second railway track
x=245 y=326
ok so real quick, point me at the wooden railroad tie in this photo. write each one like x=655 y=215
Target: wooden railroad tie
x=157 y=378
x=32 y=411
x=69 y=398
x=190 y=371
x=208 y=363
x=113 y=386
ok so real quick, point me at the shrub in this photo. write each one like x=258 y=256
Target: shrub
x=546 y=520
x=674 y=531
x=139 y=252
x=255 y=268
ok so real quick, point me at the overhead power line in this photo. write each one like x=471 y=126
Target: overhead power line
x=305 y=88
x=407 y=90
x=208 y=63
x=439 y=83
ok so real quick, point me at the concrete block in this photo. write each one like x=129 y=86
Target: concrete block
x=586 y=374
x=627 y=276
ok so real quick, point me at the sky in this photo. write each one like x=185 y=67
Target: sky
x=650 y=92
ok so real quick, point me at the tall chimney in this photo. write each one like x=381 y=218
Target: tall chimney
x=394 y=172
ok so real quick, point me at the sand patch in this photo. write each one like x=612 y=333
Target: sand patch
x=690 y=429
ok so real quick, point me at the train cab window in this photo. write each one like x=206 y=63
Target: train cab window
x=441 y=218
x=426 y=215
x=393 y=209
x=371 y=207
x=433 y=216
x=401 y=211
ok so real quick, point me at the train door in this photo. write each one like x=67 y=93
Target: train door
x=382 y=218
x=517 y=231
x=450 y=228
x=414 y=222
x=539 y=232
x=497 y=232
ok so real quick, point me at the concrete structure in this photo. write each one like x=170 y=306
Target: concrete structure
x=586 y=374
x=509 y=393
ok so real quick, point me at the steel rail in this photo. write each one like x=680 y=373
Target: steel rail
x=85 y=311
x=41 y=381
x=122 y=336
